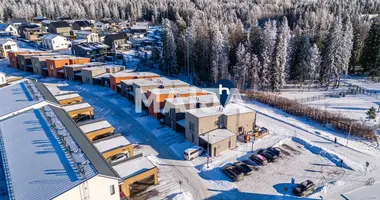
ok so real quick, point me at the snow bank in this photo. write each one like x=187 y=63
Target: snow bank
x=182 y=196
x=319 y=151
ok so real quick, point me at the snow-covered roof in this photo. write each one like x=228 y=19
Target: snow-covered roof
x=16 y=97
x=184 y=90
x=162 y=81
x=105 y=75
x=203 y=99
x=230 y=109
x=67 y=96
x=77 y=106
x=49 y=36
x=94 y=68
x=133 y=167
x=134 y=74
x=3 y=27
x=97 y=125
x=37 y=165
x=111 y=142
x=84 y=32
x=217 y=135
x=3 y=41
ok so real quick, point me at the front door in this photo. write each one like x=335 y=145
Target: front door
x=214 y=151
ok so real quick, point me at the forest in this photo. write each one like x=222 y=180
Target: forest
x=261 y=44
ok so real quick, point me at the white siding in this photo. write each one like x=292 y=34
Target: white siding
x=98 y=188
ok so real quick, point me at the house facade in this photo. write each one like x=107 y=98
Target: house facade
x=60 y=27
x=115 y=40
x=88 y=36
x=3 y=81
x=82 y=25
x=6 y=46
x=9 y=29
x=54 y=42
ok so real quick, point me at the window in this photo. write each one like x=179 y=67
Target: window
x=112 y=189
x=6 y=47
x=191 y=126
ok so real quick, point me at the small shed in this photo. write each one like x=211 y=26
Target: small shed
x=66 y=99
x=114 y=145
x=79 y=111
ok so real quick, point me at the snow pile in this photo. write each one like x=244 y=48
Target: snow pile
x=322 y=152
x=183 y=196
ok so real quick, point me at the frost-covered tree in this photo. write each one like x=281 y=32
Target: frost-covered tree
x=219 y=54
x=253 y=70
x=241 y=68
x=169 y=49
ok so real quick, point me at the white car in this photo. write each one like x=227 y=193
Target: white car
x=119 y=158
x=193 y=152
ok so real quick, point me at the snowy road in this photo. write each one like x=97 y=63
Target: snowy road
x=180 y=169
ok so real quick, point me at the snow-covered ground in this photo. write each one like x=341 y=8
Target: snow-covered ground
x=309 y=153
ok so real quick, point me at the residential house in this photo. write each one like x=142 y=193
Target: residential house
x=25 y=60
x=101 y=26
x=218 y=127
x=140 y=27
x=39 y=19
x=54 y=42
x=175 y=108
x=12 y=55
x=82 y=25
x=87 y=36
x=128 y=75
x=39 y=63
x=115 y=40
x=31 y=32
x=89 y=73
x=93 y=50
x=60 y=27
x=8 y=29
x=100 y=75
x=7 y=45
x=17 y=21
x=73 y=72
x=56 y=65
x=154 y=99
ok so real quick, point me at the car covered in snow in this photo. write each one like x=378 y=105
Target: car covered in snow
x=243 y=167
x=271 y=157
x=259 y=159
x=233 y=173
x=304 y=188
x=251 y=164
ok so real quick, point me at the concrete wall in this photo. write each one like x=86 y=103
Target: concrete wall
x=246 y=121
x=88 y=75
x=219 y=147
x=70 y=71
x=98 y=188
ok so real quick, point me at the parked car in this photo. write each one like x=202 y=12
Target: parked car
x=275 y=150
x=243 y=167
x=117 y=158
x=259 y=159
x=193 y=152
x=251 y=164
x=271 y=157
x=304 y=188
x=233 y=173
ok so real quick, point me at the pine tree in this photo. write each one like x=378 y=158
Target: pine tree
x=219 y=54
x=370 y=57
x=314 y=59
x=253 y=70
x=241 y=67
x=169 y=49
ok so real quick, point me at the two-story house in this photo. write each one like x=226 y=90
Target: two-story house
x=82 y=25
x=115 y=40
x=60 y=27
x=7 y=45
x=8 y=29
x=54 y=42
x=87 y=36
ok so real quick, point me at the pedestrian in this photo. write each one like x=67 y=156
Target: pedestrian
x=335 y=140
x=341 y=162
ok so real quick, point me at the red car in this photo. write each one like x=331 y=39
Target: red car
x=259 y=159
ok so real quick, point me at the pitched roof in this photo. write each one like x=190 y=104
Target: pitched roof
x=3 y=27
x=60 y=24
x=83 y=23
x=17 y=20
x=107 y=21
x=117 y=36
x=50 y=36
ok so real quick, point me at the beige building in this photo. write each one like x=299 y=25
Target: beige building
x=89 y=73
x=175 y=108
x=202 y=123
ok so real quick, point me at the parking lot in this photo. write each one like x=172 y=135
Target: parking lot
x=296 y=162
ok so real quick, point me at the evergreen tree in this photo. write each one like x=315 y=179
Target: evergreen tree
x=253 y=70
x=169 y=49
x=370 y=57
x=241 y=67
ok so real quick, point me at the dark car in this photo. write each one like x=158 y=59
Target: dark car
x=259 y=159
x=304 y=188
x=243 y=167
x=271 y=157
x=233 y=173
x=251 y=164
x=275 y=150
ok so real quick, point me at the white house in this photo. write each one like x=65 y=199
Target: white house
x=8 y=29
x=7 y=45
x=101 y=26
x=3 y=81
x=87 y=36
x=54 y=42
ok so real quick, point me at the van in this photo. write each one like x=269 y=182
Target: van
x=193 y=152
